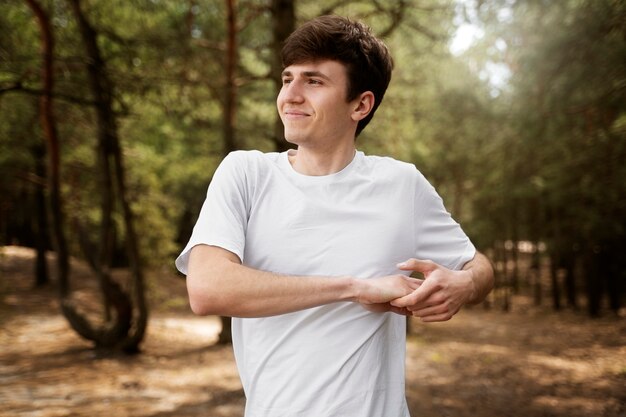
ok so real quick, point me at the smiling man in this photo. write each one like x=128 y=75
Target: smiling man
x=310 y=250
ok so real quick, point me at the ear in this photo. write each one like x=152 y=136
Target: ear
x=363 y=105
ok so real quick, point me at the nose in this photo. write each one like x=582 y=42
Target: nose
x=291 y=92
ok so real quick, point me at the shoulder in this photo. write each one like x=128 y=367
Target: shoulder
x=243 y=171
x=390 y=167
x=387 y=162
x=252 y=156
x=397 y=172
x=249 y=162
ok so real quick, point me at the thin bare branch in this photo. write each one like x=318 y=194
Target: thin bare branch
x=18 y=87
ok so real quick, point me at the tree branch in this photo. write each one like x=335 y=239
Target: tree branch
x=18 y=87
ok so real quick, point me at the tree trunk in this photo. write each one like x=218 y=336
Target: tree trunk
x=614 y=274
x=593 y=276
x=48 y=124
x=554 y=280
x=226 y=334
x=535 y=273
x=228 y=117
x=124 y=329
x=230 y=87
x=514 y=227
x=283 y=23
x=500 y=274
x=139 y=316
x=570 y=282
x=41 y=237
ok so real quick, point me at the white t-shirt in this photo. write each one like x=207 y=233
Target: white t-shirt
x=337 y=360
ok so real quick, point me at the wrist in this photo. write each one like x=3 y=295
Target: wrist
x=352 y=288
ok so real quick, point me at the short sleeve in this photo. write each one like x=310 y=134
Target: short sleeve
x=224 y=215
x=438 y=237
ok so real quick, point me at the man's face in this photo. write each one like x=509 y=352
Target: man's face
x=312 y=104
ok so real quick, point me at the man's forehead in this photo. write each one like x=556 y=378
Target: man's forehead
x=326 y=67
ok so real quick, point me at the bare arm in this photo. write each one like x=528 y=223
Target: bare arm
x=445 y=291
x=217 y=283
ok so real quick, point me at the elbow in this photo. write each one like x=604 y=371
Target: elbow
x=198 y=307
x=209 y=284
x=203 y=299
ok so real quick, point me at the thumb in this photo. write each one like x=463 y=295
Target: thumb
x=418 y=265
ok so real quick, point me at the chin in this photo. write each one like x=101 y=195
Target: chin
x=294 y=138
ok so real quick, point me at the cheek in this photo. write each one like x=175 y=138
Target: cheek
x=279 y=99
x=337 y=111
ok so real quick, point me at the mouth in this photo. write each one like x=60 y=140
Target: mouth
x=295 y=114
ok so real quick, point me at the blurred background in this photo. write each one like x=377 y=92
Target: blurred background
x=114 y=115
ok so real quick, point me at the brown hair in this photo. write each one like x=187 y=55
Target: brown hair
x=337 y=38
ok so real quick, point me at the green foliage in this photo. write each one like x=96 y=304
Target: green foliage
x=569 y=86
x=562 y=148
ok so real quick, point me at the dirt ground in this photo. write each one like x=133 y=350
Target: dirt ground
x=528 y=362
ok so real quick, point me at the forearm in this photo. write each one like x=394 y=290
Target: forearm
x=481 y=273
x=218 y=284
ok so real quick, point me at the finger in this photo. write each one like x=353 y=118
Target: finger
x=418 y=265
x=435 y=301
x=414 y=283
x=418 y=296
x=435 y=317
x=430 y=310
x=403 y=302
x=399 y=310
x=443 y=312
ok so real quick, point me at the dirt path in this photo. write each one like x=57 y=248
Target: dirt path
x=480 y=364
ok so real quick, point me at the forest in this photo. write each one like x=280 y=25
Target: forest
x=115 y=114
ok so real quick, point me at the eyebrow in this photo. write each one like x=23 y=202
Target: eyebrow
x=307 y=74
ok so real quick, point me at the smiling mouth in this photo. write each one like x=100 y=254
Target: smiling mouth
x=295 y=113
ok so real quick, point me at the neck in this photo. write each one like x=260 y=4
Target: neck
x=318 y=162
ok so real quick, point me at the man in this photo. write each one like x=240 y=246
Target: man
x=310 y=250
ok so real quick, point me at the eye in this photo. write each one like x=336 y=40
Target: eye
x=314 y=81
x=286 y=80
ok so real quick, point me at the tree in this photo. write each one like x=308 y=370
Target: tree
x=126 y=327
x=48 y=124
x=229 y=111
x=568 y=107
x=283 y=14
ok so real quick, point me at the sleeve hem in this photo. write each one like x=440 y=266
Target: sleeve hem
x=182 y=261
x=468 y=254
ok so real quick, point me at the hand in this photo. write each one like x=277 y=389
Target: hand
x=375 y=294
x=441 y=293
